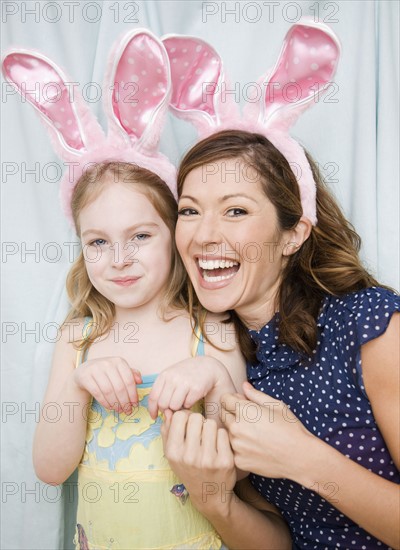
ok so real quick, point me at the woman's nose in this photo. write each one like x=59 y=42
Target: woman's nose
x=208 y=232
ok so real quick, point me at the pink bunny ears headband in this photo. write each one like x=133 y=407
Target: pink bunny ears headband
x=137 y=90
x=305 y=67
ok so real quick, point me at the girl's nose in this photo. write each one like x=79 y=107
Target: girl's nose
x=124 y=254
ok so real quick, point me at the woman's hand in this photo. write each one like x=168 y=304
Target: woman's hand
x=182 y=385
x=111 y=381
x=200 y=455
x=266 y=437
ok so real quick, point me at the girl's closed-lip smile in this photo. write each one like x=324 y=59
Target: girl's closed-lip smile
x=125 y=281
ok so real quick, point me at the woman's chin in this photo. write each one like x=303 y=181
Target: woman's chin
x=215 y=301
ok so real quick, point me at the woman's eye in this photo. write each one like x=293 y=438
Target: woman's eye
x=187 y=212
x=234 y=212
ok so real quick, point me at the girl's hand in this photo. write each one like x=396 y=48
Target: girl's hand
x=200 y=455
x=111 y=381
x=183 y=384
x=266 y=437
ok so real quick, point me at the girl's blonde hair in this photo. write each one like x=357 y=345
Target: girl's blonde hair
x=85 y=299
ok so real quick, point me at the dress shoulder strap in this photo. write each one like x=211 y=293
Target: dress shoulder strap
x=87 y=329
x=198 y=342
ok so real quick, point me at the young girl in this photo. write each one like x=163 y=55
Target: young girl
x=129 y=318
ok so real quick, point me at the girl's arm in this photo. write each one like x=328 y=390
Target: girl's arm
x=58 y=445
x=221 y=370
x=228 y=354
x=200 y=454
x=279 y=445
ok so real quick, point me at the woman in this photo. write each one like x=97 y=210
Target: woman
x=320 y=337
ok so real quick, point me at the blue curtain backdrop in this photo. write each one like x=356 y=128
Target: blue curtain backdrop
x=353 y=133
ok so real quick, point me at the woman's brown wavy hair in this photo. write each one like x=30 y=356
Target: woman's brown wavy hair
x=326 y=263
x=85 y=299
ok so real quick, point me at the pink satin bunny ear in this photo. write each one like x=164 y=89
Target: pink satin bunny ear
x=72 y=127
x=138 y=80
x=197 y=83
x=137 y=90
x=304 y=70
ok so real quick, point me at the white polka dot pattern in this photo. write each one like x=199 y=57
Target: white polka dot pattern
x=326 y=393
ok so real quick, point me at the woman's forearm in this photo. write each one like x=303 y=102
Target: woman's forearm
x=241 y=526
x=368 y=499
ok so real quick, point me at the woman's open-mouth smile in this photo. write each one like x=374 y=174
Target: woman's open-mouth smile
x=216 y=273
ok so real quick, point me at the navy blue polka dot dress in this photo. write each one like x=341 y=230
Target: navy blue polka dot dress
x=327 y=394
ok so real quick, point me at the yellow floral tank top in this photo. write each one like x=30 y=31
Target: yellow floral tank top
x=129 y=498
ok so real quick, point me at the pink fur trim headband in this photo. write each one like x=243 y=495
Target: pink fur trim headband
x=302 y=73
x=137 y=91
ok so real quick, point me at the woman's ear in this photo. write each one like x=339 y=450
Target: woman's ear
x=297 y=236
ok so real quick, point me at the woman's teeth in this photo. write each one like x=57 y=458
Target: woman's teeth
x=218 y=270
x=216 y=264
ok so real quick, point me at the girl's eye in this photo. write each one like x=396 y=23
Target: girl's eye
x=187 y=212
x=142 y=236
x=98 y=242
x=235 y=212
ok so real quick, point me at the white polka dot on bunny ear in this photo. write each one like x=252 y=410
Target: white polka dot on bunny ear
x=199 y=47
x=131 y=61
x=314 y=66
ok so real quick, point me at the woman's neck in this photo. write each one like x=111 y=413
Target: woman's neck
x=258 y=315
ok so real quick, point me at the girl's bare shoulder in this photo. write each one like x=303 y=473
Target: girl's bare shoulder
x=220 y=331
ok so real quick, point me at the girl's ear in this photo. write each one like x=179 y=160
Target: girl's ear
x=297 y=236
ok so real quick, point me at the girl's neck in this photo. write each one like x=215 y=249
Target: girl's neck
x=148 y=313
